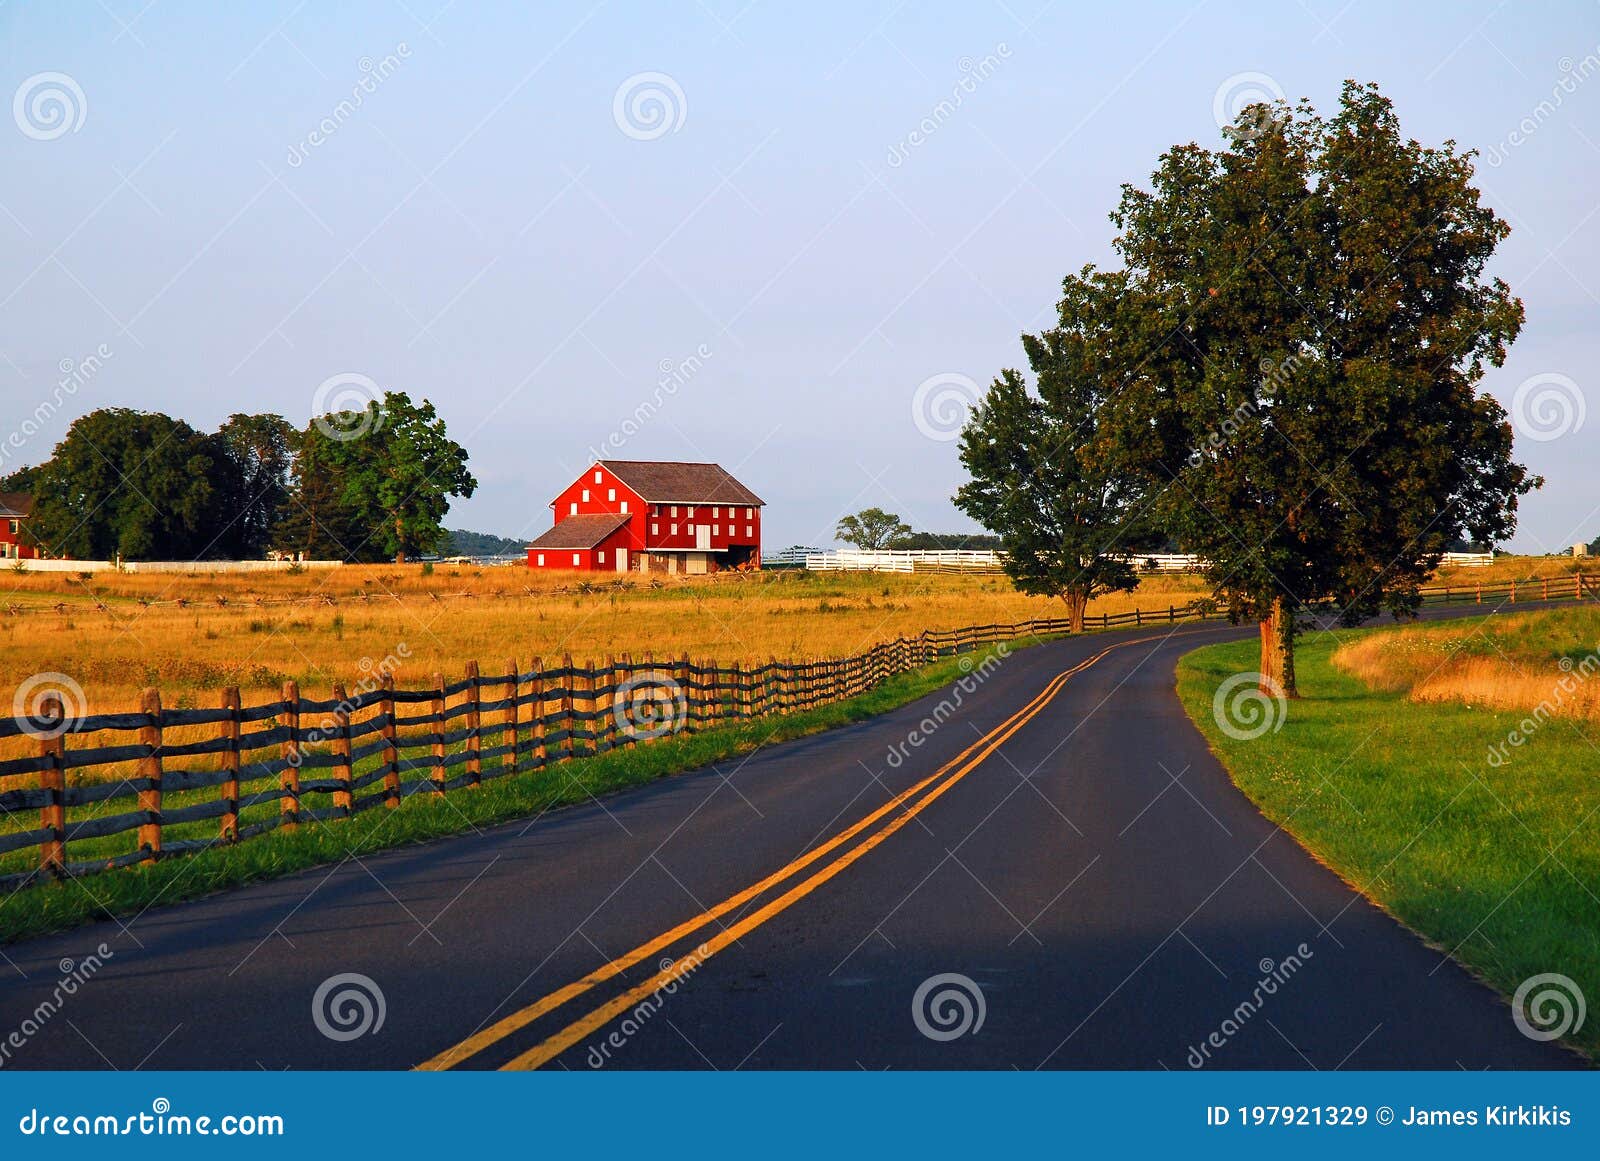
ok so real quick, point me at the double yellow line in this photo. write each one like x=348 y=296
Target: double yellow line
x=939 y=781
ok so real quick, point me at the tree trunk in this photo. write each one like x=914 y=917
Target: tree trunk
x=1076 y=600
x=1277 y=650
x=400 y=557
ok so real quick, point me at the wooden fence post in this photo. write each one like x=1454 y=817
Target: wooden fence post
x=343 y=799
x=567 y=684
x=150 y=772
x=510 y=737
x=437 y=774
x=391 y=752
x=536 y=692
x=53 y=780
x=229 y=829
x=474 y=726
x=605 y=705
x=289 y=779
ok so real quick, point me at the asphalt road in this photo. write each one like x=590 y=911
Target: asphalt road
x=1086 y=877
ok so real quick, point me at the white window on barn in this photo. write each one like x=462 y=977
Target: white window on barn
x=716 y=511
x=541 y=560
x=586 y=495
x=655 y=530
x=624 y=504
x=597 y=476
x=674 y=509
x=689 y=512
x=574 y=510
x=575 y=559
x=674 y=529
x=749 y=530
x=602 y=554
x=611 y=494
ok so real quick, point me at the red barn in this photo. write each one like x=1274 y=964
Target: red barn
x=15 y=507
x=652 y=516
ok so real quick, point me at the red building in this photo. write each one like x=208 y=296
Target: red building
x=652 y=516
x=15 y=507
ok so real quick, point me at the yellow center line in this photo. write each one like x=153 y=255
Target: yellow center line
x=515 y=1021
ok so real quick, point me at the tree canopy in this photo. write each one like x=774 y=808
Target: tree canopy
x=1294 y=347
x=871 y=528
x=147 y=486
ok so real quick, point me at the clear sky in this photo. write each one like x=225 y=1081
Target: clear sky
x=812 y=210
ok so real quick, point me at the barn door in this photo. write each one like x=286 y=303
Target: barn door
x=702 y=537
x=622 y=560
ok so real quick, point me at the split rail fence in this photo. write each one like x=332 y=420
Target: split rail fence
x=164 y=782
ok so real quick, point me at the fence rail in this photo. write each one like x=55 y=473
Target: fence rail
x=203 y=777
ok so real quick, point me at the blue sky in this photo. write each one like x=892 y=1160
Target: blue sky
x=495 y=228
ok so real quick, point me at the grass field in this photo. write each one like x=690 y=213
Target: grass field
x=119 y=633
x=1490 y=851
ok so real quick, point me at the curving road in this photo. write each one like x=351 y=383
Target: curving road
x=1063 y=850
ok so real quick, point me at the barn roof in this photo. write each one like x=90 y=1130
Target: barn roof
x=15 y=504
x=675 y=482
x=581 y=531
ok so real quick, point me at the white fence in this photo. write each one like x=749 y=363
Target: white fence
x=908 y=560
x=183 y=566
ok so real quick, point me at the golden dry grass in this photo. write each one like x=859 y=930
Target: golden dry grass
x=318 y=628
x=1545 y=659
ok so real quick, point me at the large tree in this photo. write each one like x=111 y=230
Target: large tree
x=256 y=453
x=1067 y=513
x=397 y=469
x=135 y=483
x=1307 y=320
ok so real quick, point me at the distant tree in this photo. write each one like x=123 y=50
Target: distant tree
x=398 y=469
x=136 y=483
x=459 y=542
x=1305 y=323
x=1067 y=513
x=870 y=528
x=317 y=522
x=256 y=454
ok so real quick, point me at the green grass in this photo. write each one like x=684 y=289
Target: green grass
x=54 y=906
x=1498 y=866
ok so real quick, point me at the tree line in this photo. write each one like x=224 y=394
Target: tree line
x=364 y=485
x=1282 y=375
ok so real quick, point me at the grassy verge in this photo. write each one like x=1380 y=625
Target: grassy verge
x=54 y=906
x=1498 y=865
